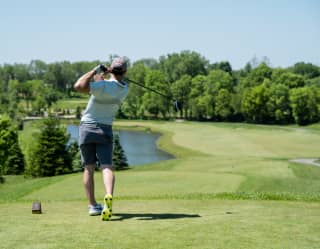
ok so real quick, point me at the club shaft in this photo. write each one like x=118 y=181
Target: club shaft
x=148 y=88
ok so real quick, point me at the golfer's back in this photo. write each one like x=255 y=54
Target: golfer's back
x=104 y=101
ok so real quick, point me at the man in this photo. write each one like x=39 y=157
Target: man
x=95 y=131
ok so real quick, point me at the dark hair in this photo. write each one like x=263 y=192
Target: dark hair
x=119 y=72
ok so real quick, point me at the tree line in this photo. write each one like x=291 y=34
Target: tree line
x=206 y=91
x=256 y=93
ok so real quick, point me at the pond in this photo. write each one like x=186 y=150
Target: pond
x=139 y=147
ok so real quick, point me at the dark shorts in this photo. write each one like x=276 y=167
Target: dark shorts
x=95 y=141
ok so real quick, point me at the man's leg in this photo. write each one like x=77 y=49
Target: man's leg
x=88 y=182
x=104 y=153
x=108 y=179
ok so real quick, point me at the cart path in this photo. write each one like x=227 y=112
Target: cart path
x=310 y=161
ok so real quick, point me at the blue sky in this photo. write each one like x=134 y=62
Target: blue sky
x=284 y=31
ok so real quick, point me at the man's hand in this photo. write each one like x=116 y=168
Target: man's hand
x=100 y=69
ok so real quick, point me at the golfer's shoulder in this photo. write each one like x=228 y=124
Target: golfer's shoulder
x=116 y=85
x=97 y=84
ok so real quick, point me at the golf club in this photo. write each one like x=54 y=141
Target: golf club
x=103 y=68
x=177 y=104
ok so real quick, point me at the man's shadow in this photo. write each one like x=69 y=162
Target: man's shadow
x=151 y=216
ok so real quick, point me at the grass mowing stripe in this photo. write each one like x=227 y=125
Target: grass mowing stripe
x=305 y=171
x=16 y=187
x=257 y=196
x=236 y=196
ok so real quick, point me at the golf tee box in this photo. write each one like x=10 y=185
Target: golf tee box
x=36 y=207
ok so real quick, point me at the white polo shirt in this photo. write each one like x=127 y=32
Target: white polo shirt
x=104 y=102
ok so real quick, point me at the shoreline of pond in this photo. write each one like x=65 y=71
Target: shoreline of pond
x=148 y=150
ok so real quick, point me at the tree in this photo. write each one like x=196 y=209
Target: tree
x=49 y=156
x=132 y=106
x=119 y=159
x=314 y=82
x=37 y=94
x=223 y=107
x=60 y=75
x=152 y=102
x=305 y=105
x=256 y=76
x=256 y=62
x=245 y=71
x=285 y=77
x=12 y=159
x=13 y=98
x=254 y=104
x=221 y=80
x=149 y=63
x=175 y=65
x=278 y=104
x=208 y=98
x=21 y=72
x=74 y=152
x=37 y=69
x=215 y=81
x=196 y=103
x=15 y=163
x=181 y=91
x=235 y=103
x=43 y=95
x=78 y=112
x=26 y=92
x=223 y=66
x=308 y=70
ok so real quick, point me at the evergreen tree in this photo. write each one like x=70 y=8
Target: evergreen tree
x=119 y=158
x=12 y=159
x=78 y=112
x=74 y=152
x=15 y=162
x=49 y=156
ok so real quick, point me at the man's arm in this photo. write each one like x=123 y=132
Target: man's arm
x=83 y=83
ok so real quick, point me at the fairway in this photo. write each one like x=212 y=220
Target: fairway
x=231 y=186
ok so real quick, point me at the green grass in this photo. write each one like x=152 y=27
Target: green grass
x=16 y=187
x=71 y=103
x=231 y=186
x=163 y=224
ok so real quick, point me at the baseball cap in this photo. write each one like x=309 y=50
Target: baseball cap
x=118 y=65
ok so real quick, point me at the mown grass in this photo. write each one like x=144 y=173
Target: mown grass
x=71 y=104
x=16 y=187
x=231 y=186
x=161 y=224
x=233 y=159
